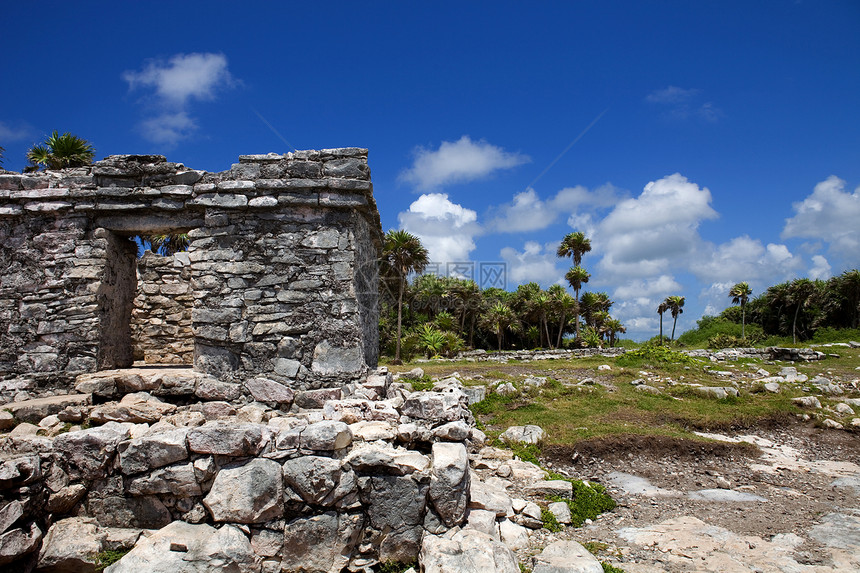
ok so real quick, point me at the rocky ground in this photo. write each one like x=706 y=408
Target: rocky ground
x=789 y=504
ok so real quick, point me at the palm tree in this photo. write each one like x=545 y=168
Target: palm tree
x=167 y=244
x=613 y=326
x=576 y=277
x=574 y=245
x=799 y=292
x=2 y=151
x=661 y=308
x=848 y=287
x=563 y=303
x=740 y=294
x=675 y=305
x=402 y=254
x=500 y=318
x=60 y=151
x=543 y=303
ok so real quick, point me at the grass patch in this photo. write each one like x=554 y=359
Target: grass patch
x=609 y=568
x=524 y=568
x=550 y=523
x=108 y=558
x=654 y=355
x=526 y=452
x=396 y=566
x=589 y=500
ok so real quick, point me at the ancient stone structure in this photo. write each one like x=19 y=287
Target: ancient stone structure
x=282 y=266
x=161 y=318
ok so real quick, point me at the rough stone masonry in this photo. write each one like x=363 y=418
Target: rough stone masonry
x=283 y=266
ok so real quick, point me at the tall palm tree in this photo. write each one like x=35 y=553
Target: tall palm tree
x=543 y=303
x=563 y=303
x=848 y=286
x=740 y=294
x=59 y=151
x=800 y=292
x=613 y=326
x=661 y=308
x=574 y=245
x=402 y=254
x=675 y=305
x=168 y=244
x=576 y=277
x=500 y=318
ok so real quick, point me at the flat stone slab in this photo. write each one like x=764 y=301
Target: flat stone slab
x=34 y=410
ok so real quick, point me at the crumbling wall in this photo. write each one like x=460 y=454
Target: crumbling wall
x=283 y=257
x=161 y=319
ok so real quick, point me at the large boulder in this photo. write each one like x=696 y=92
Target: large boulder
x=153 y=451
x=86 y=454
x=18 y=543
x=449 y=481
x=467 y=551
x=185 y=548
x=249 y=492
x=566 y=557
x=523 y=435
x=321 y=543
x=71 y=545
x=228 y=439
x=321 y=481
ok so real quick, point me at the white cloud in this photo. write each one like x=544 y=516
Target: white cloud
x=528 y=212
x=168 y=128
x=680 y=103
x=671 y=94
x=175 y=83
x=745 y=259
x=647 y=235
x=183 y=77
x=661 y=287
x=535 y=263
x=9 y=133
x=829 y=214
x=820 y=268
x=446 y=229
x=456 y=162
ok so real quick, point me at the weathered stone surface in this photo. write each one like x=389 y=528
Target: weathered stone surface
x=34 y=410
x=523 y=435
x=10 y=514
x=549 y=488
x=65 y=499
x=394 y=502
x=229 y=439
x=313 y=399
x=250 y=492
x=269 y=391
x=179 y=480
x=329 y=359
x=119 y=511
x=71 y=545
x=87 y=453
x=716 y=392
x=434 y=406
x=185 y=548
x=320 y=543
x=449 y=481
x=137 y=408
x=513 y=535
x=566 y=557
x=19 y=542
x=320 y=481
x=561 y=511
x=486 y=497
x=467 y=551
x=153 y=451
x=325 y=436
x=807 y=402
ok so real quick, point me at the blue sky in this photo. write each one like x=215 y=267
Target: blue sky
x=698 y=144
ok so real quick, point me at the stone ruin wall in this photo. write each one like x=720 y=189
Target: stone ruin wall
x=161 y=319
x=283 y=266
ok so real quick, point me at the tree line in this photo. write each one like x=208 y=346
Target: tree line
x=438 y=315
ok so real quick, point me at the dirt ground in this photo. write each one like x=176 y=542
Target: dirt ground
x=791 y=502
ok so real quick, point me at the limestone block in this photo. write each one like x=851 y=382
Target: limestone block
x=433 y=406
x=566 y=557
x=86 y=454
x=557 y=487
x=19 y=542
x=229 y=439
x=394 y=502
x=185 y=548
x=330 y=359
x=179 y=480
x=449 y=481
x=326 y=436
x=153 y=450
x=249 y=492
x=71 y=545
x=320 y=543
x=523 y=435
x=320 y=481
x=467 y=551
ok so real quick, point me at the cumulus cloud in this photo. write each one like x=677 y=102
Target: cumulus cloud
x=174 y=85
x=457 y=162
x=745 y=259
x=820 y=268
x=661 y=287
x=528 y=212
x=680 y=103
x=829 y=214
x=646 y=235
x=535 y=262
x=9 y=133
x=446 y=229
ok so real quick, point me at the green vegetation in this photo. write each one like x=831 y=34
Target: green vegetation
x=60 y=151
x=550 y=523
x=108 y=558
x=608 y=568
x=438 y=316
x=589 y=500
x=524 y=568
x=649 y=355
x=396 y=566
x=595 y=547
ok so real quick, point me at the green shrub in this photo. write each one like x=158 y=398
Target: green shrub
x=107 y=558
x=550 y=523
x=396 y=566
x=589 y=500
x=608 y=568
x=422 y=384
x=653 y=355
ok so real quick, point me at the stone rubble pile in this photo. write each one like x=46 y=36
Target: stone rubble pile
x=317 y=480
